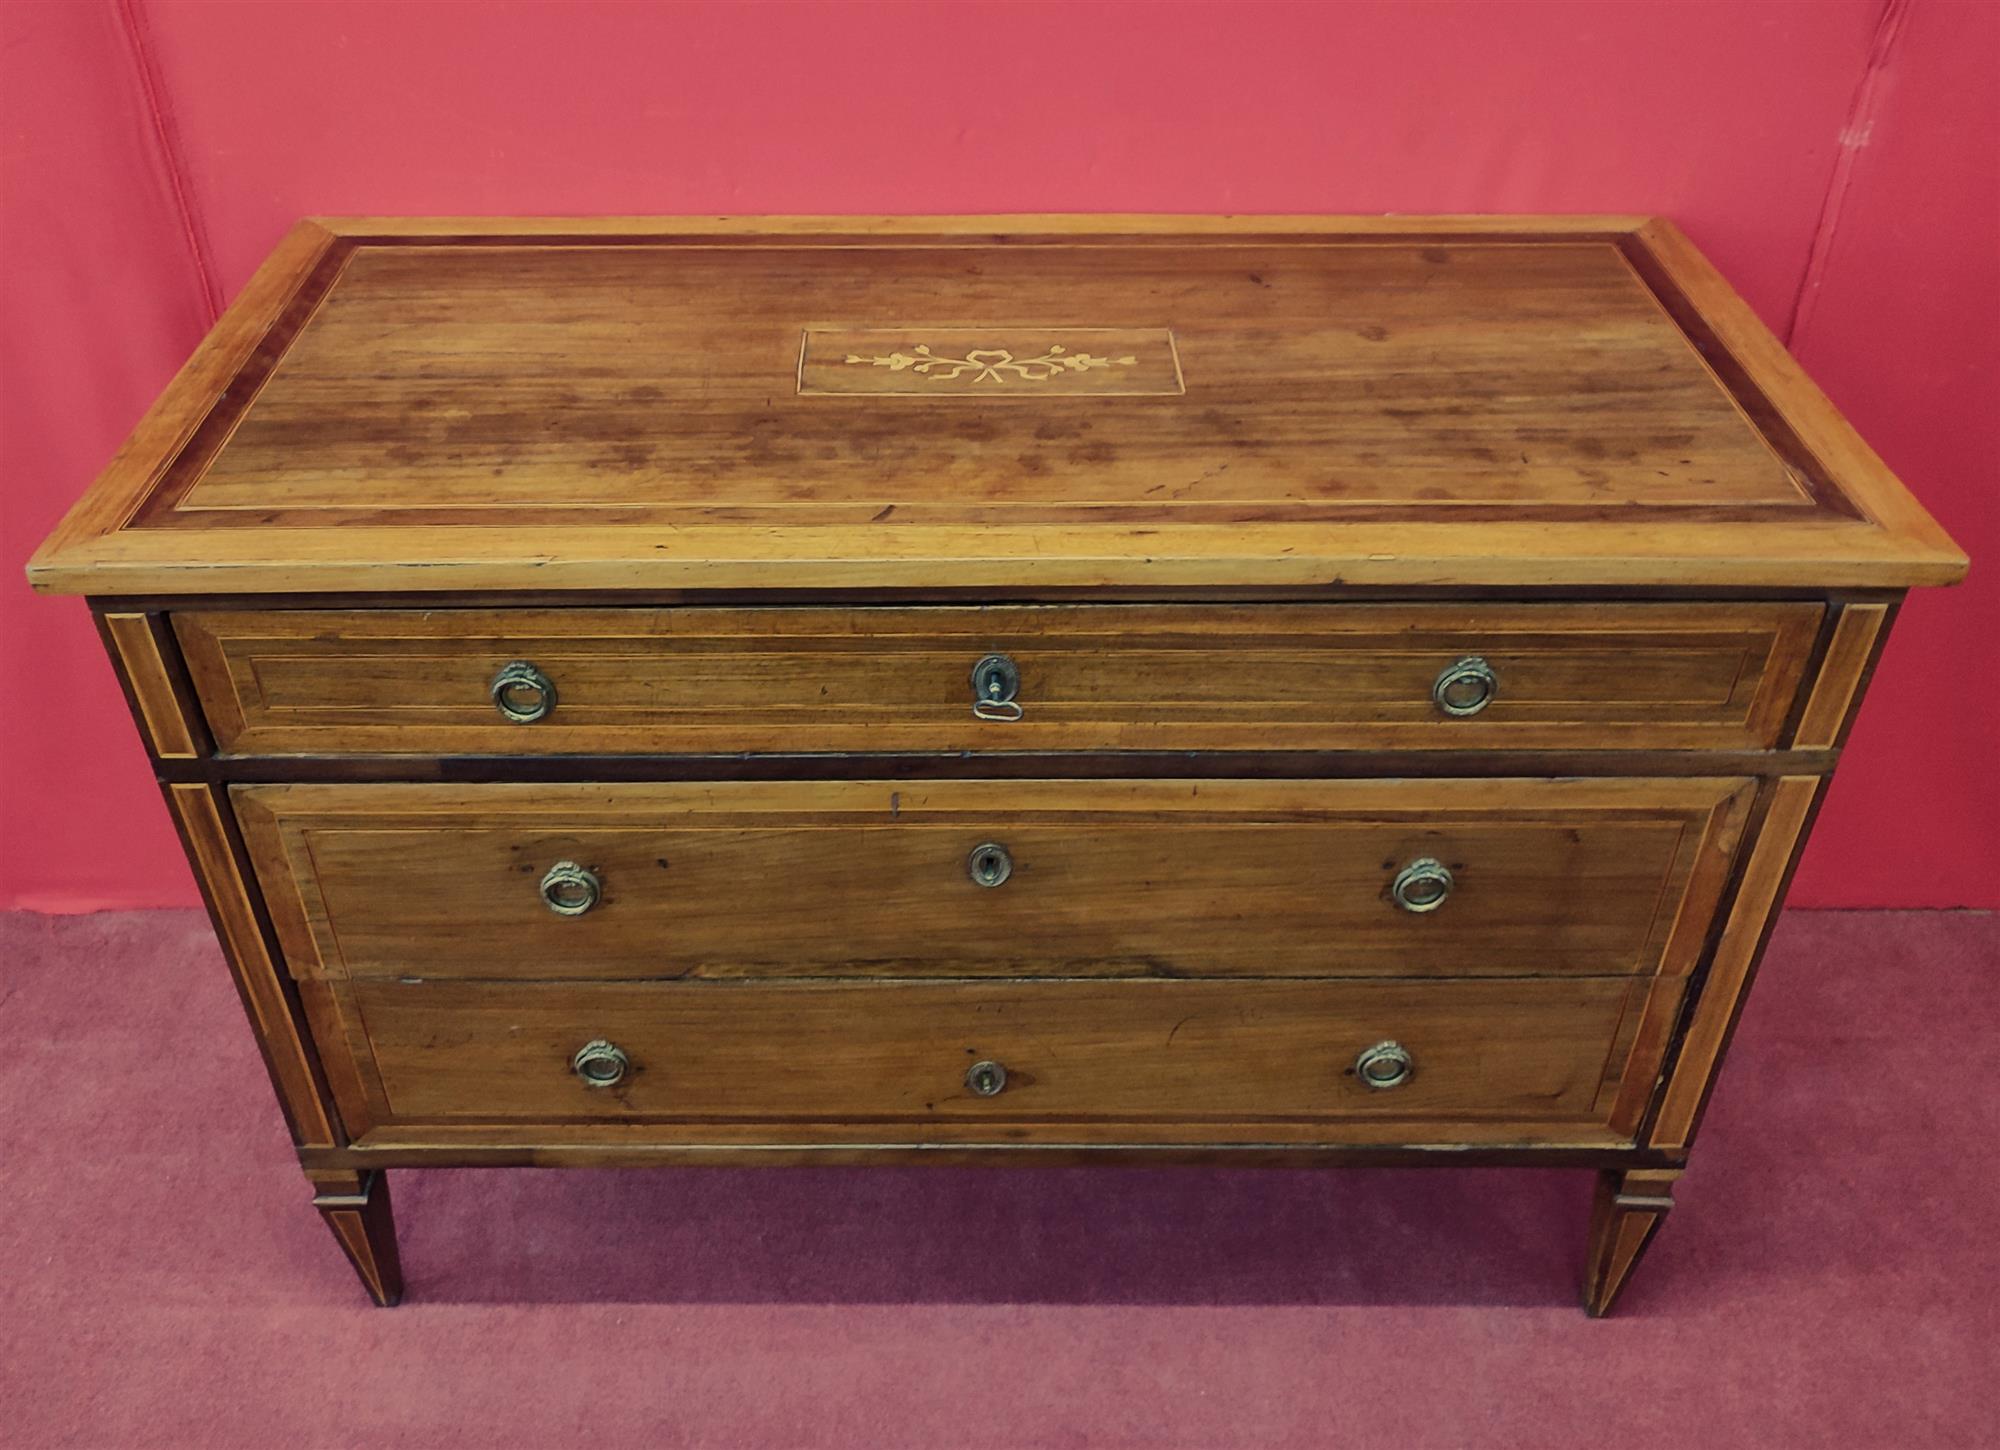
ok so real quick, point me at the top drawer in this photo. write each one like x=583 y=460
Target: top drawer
x=1060 y=677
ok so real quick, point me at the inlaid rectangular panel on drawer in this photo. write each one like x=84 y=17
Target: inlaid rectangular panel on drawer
x=1541 y=1058
x=1092 y=677
x=1134 y=878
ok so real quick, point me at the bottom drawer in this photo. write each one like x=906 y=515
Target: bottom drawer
x=1532 y=1059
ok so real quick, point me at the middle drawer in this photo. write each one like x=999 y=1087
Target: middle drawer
x=994 y=878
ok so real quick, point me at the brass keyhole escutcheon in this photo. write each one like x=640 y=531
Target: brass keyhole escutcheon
x=990 y=864
x=985 y=1079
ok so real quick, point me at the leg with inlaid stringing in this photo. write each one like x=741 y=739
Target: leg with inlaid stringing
x=1630 y=1206
x=356 y=1207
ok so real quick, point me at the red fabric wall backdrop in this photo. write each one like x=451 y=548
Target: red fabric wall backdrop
x=1837 y=160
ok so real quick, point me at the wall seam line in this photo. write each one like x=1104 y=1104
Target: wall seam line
x=152 y=88
x=1855 y=132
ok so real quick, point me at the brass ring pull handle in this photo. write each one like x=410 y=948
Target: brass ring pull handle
x=1465 y=688
x=570 y=890
x=989 y=864
x=1385 y=1065
x=522 y=693
x=1422 y=885
x=985 y=1079
x=996 y=680
x=600 y=1064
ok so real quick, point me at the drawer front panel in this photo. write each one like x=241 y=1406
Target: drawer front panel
x=1088 y=677
x=994 y=878
x=1529 y=1059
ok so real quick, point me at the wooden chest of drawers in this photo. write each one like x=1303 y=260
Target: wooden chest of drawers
x=993 y=690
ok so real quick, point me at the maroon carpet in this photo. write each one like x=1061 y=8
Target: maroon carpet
x=1830 y=1278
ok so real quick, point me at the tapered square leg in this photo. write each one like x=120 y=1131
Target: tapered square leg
x=356 y=1207
x=1629 y=1208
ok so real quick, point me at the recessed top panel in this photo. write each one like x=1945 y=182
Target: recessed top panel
x=477 y=397
x=960 y=383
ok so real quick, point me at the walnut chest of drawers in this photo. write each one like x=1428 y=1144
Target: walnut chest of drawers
x=993 y=690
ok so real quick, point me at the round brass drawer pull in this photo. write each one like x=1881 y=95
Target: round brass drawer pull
x=989 y=864
x=985 y=1079
x=1385 y=1065
x=522 y=693
x=996 y=680
x=570 y=889
x=1422 y=885
x=1465 y=688
x=600 y=1064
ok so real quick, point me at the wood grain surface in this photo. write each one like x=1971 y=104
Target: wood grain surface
x=232 y=903
x=1128 y=878
x=1837 y=687
x=516 y=385
x=1734 y=961
x=612 y=405
x=1540 y=1057
x=1093 y=677
x=137 y=646
x=1626 y=1211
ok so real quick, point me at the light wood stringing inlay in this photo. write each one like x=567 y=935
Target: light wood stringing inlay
x=1093 y=677
x=1488 y=401
x=1537 y=1058
x=145 y=670
x=256 y=974
x=1333 y=377
x=1840 y=675
x=1207 y=878
x=1735 y=956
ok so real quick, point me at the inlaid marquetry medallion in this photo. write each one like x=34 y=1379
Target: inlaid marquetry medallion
x=990 y=362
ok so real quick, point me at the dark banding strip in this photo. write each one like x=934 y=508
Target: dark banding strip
x=234 y=401
x=1735 y=378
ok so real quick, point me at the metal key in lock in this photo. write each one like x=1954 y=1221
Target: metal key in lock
x=996 y=680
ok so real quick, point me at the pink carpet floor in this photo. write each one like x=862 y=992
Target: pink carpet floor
x=1831 y=1277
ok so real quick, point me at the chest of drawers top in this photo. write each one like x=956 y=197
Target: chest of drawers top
x=990 y=407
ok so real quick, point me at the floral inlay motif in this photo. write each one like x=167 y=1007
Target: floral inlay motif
x=993 y=364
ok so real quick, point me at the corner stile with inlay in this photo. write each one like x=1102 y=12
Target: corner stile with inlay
x=1734 y=960
x=1858 y=636
x=322 y=1100
x=199 y=811
x=1064 y=686
x=139 y=647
